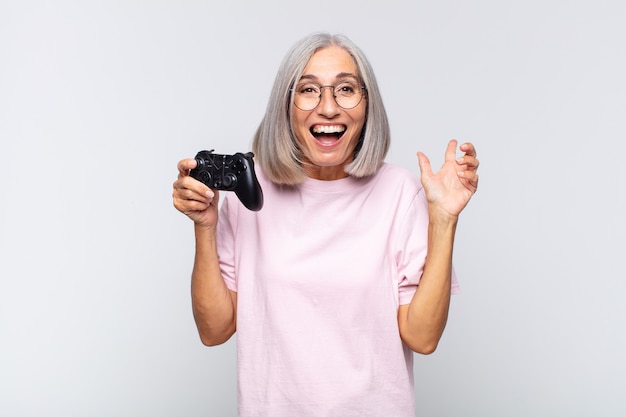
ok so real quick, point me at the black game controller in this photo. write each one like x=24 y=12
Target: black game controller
x=230 y=173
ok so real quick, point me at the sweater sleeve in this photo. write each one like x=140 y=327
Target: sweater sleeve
x=226 y=232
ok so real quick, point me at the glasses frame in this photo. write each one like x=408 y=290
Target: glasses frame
x=319 y=98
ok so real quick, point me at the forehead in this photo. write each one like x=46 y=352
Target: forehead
x=330 y=62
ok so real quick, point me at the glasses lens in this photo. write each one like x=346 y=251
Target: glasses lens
x=307 y=96
x=347 y=95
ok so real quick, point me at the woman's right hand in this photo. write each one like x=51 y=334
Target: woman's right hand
x=193 y=198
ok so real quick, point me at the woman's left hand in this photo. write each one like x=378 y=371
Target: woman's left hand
x=449 y=190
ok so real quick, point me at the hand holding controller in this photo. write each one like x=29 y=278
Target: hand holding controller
x=230 y=173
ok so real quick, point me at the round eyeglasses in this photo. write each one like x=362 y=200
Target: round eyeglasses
x=347 y=95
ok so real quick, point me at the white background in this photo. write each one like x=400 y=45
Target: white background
x=100 y=99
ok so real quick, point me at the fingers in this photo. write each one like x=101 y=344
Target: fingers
x=468 y=164
x=468 y=148
x=424 y=164
x=190 y=194
x=470 y=176
x=468 y=160
x=192 y=189
x=450 y=154
x=187 y=188
x=186 y=165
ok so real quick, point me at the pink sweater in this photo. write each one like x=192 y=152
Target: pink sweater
x=320 y=272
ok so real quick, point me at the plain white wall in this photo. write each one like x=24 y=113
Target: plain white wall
x=100 y=99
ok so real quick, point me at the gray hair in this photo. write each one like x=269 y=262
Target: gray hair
x=274 y=143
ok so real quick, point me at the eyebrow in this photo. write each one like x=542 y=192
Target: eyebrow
x=338 y=76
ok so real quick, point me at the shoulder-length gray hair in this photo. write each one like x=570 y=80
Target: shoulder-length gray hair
x=274 y=143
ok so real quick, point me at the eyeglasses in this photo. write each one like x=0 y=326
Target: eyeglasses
x=347 y=95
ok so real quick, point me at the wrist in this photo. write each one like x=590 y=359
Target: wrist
x=204 y=231
x=437 y=217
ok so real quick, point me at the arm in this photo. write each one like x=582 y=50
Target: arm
x=422 y=321
x=214 y=305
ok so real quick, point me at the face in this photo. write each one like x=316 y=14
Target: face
x=328 y=134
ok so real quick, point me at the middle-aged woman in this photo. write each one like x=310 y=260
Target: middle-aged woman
x=347 y=269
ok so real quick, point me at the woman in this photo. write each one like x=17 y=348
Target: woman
x=328 y=286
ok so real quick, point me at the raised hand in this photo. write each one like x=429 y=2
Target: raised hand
x=449 y=190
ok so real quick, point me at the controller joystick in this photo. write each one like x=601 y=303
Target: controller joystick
x=230 y=173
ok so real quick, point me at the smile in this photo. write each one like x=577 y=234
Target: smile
x=328 y=134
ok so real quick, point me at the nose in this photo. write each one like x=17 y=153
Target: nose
x=328 y=106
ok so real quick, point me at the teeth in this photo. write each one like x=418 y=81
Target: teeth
x=328 y=129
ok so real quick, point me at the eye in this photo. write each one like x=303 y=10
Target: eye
x=346 y=89
x=308 y=90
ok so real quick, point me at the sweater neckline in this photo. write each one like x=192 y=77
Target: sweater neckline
x=339 y=185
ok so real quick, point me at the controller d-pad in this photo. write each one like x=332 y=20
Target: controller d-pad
x=205 y=177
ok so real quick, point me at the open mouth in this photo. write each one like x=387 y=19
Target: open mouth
x=328 y=134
